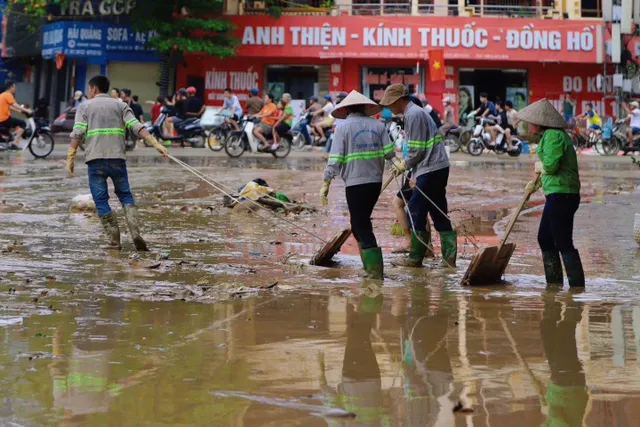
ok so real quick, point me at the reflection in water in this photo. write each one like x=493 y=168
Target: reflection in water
x=427 y=368
x=566 y=395
x=360 y=391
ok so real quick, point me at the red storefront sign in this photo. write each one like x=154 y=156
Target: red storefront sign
x=239 y=76
x=530 y=40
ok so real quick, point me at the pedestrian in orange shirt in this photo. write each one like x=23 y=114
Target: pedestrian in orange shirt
x=268 y=119
x=8 y=103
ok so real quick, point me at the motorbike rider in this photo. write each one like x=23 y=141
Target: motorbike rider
x=428 y=159
x=633 y=114
x=180 y=108
x=232 y=106
x=486 y=107
x=327 y=120
x=435 y=114
x=285 y=121
x=594 y=122
x=195 y=106
x=503 y=125
x=8 y=103
x=449 y=117
x=254 y=103
x=268 y=118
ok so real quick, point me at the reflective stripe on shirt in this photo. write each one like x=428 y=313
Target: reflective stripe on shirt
x=363 y=155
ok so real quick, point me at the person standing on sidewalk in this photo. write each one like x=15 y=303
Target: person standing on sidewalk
x=560 y=182
x=429 y=163
x=102 y=122
x=359 y=149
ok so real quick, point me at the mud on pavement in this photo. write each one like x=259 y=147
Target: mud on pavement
x=224 y=323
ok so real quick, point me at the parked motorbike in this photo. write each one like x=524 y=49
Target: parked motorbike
x=189 y=131
x=243 y=140
x=482 y=139
x=36 y=137
x=301 y=133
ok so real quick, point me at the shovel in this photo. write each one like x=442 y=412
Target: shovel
x=488 y=266
x=332 y=247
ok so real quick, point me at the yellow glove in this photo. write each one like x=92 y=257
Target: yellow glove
x=539 y=168
x=159 y=147
x=532 y=186
x=70 y=165
x=398 y=166
x=324 y=192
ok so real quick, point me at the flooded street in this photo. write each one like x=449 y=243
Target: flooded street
x=224 y=323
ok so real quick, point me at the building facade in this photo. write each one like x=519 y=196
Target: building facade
x=517 y=53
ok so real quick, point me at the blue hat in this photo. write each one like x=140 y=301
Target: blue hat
x=342 y=95
x=327 y=97
x=313 y=98
x=254 y=91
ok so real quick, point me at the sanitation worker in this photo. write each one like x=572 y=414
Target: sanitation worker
x=359 y=148
x=102 y=121
x=428 y=161
x=560 y=182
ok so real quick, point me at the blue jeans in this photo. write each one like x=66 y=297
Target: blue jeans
x=434 y=185
x=99 y=171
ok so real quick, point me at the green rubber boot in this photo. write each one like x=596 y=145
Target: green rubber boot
x=552 y=268
x=418 y=250
x=373 y=263
x=573 y=266
x=449 y=248
x=112 y=230
x=364 y=264
x=133 y=221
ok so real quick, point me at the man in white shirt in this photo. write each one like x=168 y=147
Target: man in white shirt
x=634 y=118
x=232 y=105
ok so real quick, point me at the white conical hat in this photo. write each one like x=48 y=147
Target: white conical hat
x=355 y=98
x=542 y=113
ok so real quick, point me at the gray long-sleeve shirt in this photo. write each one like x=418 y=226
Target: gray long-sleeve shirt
x=102 y=121
x=360 y=146
x=426 y=151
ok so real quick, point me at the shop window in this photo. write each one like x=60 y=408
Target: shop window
x=376 y=79
x=591 y=8
x=369 y=7
x=299 y=81
x=500 y=85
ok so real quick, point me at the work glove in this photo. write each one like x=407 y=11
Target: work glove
x=159 y=147
x=398 y=166
x=532 y=186
x=539 y=168
x=70 y=165
x=324 y=192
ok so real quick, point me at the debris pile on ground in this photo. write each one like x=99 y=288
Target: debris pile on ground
x=83 y=203
x=258 y=191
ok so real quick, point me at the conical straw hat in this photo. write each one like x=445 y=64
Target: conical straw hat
x=355 y=98
x=542 y=113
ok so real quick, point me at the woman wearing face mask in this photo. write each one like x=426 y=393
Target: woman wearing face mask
x=560 y=182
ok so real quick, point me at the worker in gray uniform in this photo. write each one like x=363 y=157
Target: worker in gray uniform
x=358 y=153
x=102 y=121
x=428 y=160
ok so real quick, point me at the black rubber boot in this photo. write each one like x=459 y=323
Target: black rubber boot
x=112 y=230
x=552 y=268
x=131 y=214
x=573 y=266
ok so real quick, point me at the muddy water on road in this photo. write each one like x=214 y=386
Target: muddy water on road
x=209 y=338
